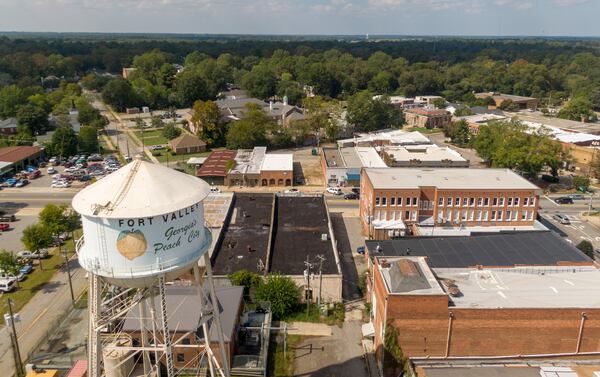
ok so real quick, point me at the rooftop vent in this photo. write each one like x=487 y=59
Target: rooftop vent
x=384 y=263
x=324 y=237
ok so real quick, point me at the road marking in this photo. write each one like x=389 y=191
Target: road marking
x=32 y=323
x=552 y=201
x=554 y=289
x=569 y=282
x=586 y=238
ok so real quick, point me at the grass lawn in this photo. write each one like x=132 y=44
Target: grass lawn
x=335 y=315
x=280 y=365
x=152 y=137
x=37 y=278
x=178 y=158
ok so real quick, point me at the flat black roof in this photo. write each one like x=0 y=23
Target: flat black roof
x=300 y=224
x=536 y=248
x=245 y=236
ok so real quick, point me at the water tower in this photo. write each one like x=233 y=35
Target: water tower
x=143 y=225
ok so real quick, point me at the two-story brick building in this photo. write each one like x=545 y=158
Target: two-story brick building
x=428 y=118
x=397 y=201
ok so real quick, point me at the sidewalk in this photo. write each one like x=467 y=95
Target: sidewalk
x=40 y=315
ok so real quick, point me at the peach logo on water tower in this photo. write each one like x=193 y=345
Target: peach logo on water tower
x=131 y=243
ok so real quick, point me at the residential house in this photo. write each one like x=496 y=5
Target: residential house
x=186 y=143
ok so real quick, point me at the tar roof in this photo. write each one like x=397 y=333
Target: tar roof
x=485 y=371
x=184 y=314
x=15 y=154
x=246 y=235
x=539 y=248
x=214 y=166
x=301 y=224
x=458 y=178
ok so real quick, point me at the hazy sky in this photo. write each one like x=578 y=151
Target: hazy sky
x=454 y=17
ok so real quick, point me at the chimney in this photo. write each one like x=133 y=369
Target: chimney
x=270 y=105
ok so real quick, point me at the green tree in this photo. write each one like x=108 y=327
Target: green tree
x=369 y=114
x=63 y=143
x=260 y=82
x=191 y=86
x=281 y=292
x=11 y=98
x=170 y=132
x=587 y=248
x=439 y=103
x=577 y=109
x=9 y=263
x=209 y=125
x=248 y=280
x=120 y=94
x=250 y=131
x=88 y=139
x=34 y=118
x=581 y=183
x=37 y=237
x=54 y=218
x=458 y=132
x=157 y=122
x=149 y=64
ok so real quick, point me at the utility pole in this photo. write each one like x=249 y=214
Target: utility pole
x=321 y=259
x=18 y=364
x=65 y=254
x=307 y=276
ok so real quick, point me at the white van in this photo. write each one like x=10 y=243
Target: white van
x=7 y=285
x=334 y=190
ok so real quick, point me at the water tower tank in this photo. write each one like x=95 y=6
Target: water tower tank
x=140 y=222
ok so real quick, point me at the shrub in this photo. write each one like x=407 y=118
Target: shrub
x=550 y=178
x=281 y=292
x=587 y=248
x=248 y=280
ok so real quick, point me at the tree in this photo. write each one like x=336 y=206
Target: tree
x=260 y=82
x=578 y=109
x=458 y=132
x=190 y=86
x=581 y=183
x=250 y=131
x=37 y=237
x=34 y=118
x=439 y=103
x=369 y=114
x=54 y=219
x=120 y=94
x=64 y=142
x=11 y=98
x=157 y=122
x=248 y=280
x=88 y=139
x=209 y=125
x=281 y=292
x=170 y=132
x=587 y=248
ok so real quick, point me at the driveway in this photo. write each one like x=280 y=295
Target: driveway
x=348 y=235
x=340 y=354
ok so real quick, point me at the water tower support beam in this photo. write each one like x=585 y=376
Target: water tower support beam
x=165 y=327
x=144 y=335
x=94 y=342
x=217 y=319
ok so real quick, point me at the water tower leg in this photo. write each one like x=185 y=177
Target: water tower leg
x=94 y=342
x=217 y=319
x=165 y=327
x=205 y=329
x=144 y=335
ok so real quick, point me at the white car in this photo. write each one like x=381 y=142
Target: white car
x=7 y=285
x=60 y=184
x=51 y=170
x=42 y=253
x=9 y=276
x=292 y=191
x=334 y=190
x=71 y=169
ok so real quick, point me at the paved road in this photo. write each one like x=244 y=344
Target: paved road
x=40 y=315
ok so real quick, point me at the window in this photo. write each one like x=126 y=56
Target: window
x=415 y=201
x=507 y=215
x=399 y=200
x=495 y=202
x=500 y=214
x=510 y=202
x=185 y=341
x=377 y=214
x=501 y=202
x=456 y=215
x=393 y=201
x=515 y=216
x=478 y=215
x=384 y=201
x=516 y=201
x=392 y=215
x=180 y=358
x=414 y=216
x=529 y=215
x=407 y=215
x=523 y=215
x=493 y=215
x=525 y=201
x=532 y=201
x=440 y=215
x=449 y=201
x=441 y=202
x=457 y=201
x=485 y=215
x=486 y=202
x=464 y=215
x=471 y=202
x=449 y=216
x=480 y=202
x=465 y=202
x=377 y=200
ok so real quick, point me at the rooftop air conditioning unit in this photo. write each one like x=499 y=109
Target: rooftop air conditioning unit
x=324 y=237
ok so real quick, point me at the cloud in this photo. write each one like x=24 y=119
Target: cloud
x=565 y=3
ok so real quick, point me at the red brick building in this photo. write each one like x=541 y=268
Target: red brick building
x=396 y=201
x=428 y=118
x=476 y=312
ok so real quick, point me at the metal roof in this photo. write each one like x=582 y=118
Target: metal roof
x=140 y=189
x=539 y=248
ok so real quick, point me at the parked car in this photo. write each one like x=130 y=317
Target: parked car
x=576 y=196
x=51 y=170
x=60 y=184
x=561 y=218
x=26 y=269
x=22 y=183
x=8 y=276
x=360 y=250
x=7 y=285
x=26 y=254
x=7 y=218
x=564 y=200
x=350 y=195
x=355 y=190
x=34 y=174
x=334 y=190
x=292 y=191
x=10 y=182
x=4 y=227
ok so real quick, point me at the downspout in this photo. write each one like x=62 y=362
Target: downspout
x=583 y=318
x=450 y=318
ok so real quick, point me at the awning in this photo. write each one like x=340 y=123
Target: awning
x=368 y=329
x=388 y=224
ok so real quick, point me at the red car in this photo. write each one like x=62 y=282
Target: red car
x=4 y=227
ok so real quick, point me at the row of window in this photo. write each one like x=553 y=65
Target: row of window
x=458 y=215
x=395 y=215
x=396 y=201
x=485 y=202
